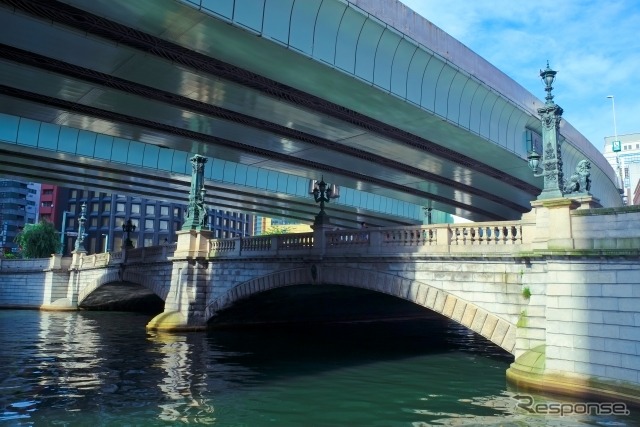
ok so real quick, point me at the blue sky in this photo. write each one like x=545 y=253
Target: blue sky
x=593 y=44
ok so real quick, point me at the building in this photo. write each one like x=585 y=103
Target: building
x=625 y=162
x=155 y=222
x=50 y=209
x=18 y=206
x=263 y=225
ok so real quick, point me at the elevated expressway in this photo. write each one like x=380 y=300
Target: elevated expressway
x=115 y=95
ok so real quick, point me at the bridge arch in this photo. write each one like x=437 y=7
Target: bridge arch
x=465 y=313
x=116 y=275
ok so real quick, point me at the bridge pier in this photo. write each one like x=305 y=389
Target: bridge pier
x=59 y=295
x=185 y=304
x=580 y=336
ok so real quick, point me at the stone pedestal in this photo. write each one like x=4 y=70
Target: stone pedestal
x=319 y=238
x=553 y=223
x=193 y=244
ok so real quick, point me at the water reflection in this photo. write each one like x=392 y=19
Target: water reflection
x=104 y=369
x=184 y=385
x=68 y=353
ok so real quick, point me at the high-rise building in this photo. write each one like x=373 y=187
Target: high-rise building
x=625 y=161
x=18 y=206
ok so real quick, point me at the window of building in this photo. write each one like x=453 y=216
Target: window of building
x=72 y=207
x=105 y=222
x=135 y=208
x=74 y=194
x=148 y=240
x=148 y=224
x=94 y=222
x=47 y=204
x=106 y=207
x=120 y=207
x=176 y=212
x=164 y=210
x=71 y=223
x=150 y=210
x=47 y=192
x=163 y=225
x=95 y=207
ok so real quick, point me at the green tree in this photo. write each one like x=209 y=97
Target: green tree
x=276 y=229
x=38 y=240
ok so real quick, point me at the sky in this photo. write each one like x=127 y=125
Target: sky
x=594 y=45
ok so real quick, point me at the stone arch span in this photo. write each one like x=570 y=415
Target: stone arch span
x=117 y=275
x=467 y=314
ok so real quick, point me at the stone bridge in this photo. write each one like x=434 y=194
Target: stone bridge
x=559 y=289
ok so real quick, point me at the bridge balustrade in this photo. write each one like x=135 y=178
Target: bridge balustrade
x=96 y=260
x=347 y=238
x=439 y=238
x=295 y=241
x=410 y=237
x=505 y=233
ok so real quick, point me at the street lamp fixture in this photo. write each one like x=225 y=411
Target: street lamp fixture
x=128 y=228
x=534 y=160
x=616 y=146
x=63 y=231
x=323 y=193
x=106 y=242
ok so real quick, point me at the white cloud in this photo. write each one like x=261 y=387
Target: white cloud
x=592 y=44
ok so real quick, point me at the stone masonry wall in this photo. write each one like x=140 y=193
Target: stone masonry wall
x=23 y=290
x=593 y=318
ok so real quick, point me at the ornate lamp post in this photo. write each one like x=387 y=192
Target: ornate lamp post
x=323 y=193
x=551 y=158
x=79 y=247
x=127 y=229
x=197 y=212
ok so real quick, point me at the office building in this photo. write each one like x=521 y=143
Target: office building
x=18 y=206
x=624 y=158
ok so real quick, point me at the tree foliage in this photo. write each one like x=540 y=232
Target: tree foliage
x=277 y=229
x=38 y=240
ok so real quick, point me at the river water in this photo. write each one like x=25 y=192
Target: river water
x=105 y=369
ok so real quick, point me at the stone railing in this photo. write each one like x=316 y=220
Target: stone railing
x=95 y=260
x=134 y=255
x=54 y=262
x=476 y=234
x=149 y=253
x=475 y=238
x=12 y=265
x=261 y=245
